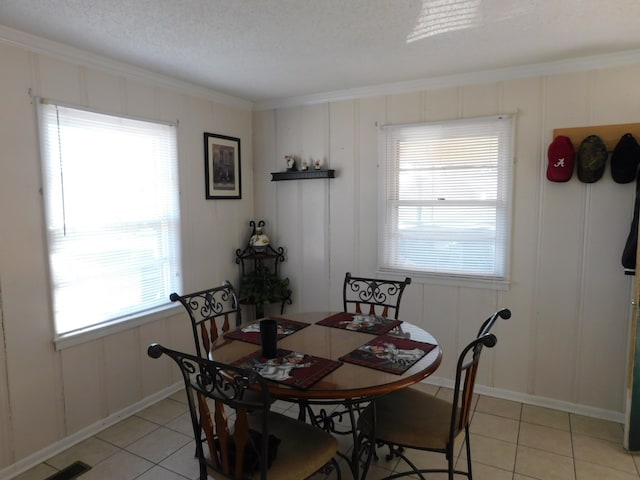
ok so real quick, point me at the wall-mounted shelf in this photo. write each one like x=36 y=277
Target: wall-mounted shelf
x=610 y=134
x=306 y=175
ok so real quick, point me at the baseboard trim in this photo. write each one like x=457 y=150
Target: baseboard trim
x=67 y=442
x=40 y=456
x=585 y=410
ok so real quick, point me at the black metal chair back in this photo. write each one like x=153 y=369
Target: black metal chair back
x=487 y=325
x=207 y=309
x=373 y=296
x=412 y=419
x=466 y=371
x=227 y=435
x=244 y=439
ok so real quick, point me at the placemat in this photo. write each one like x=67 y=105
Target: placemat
x=290 y=368
x=251 y=333
x=388 y=353
x=358 y=322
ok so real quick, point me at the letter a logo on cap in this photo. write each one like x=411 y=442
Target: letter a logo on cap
x=561 y=157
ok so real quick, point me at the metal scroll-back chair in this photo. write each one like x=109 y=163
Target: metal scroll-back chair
x=367 y=296
x=412 y=419
x=373 y=296
x=245 y=440
x=212 y=312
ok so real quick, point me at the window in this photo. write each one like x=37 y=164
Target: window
x=446 y=199
x=110 y=187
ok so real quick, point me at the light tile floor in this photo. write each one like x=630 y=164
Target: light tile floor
x=509 y=441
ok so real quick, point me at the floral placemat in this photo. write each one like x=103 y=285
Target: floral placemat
x=358 y=322
x=388 y=353
x=290 y=368
x=251 y=333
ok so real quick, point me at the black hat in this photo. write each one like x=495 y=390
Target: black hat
x=592 y=156
x=625 y=159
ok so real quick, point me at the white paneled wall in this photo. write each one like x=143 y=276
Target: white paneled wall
x=566 y=342
x=47 y=396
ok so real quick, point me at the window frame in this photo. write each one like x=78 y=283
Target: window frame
x=505 y=166
x=133 y=317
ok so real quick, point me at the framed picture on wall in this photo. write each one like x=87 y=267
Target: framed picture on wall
x=222 y=167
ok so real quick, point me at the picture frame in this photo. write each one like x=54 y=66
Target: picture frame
x=223 y=179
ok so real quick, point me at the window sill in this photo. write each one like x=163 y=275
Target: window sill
x=449 y=280
x=103 y=330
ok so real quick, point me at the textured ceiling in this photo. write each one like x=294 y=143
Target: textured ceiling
x=263 y=50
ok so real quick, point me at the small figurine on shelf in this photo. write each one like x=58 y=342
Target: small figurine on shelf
x=259 y=240
x=291 y=163
x=305 y=166
x=317 y=164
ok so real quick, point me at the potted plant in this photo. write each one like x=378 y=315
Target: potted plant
x=263 y=287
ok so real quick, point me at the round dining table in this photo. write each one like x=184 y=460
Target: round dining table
x=349 y=381
x=347 y=385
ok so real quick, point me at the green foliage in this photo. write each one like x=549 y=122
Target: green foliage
x=261 y=287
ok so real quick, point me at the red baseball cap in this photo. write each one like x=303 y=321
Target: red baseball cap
x=561 y=157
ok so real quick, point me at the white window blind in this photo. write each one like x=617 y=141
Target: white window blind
x=446 y=198
x=111 y=196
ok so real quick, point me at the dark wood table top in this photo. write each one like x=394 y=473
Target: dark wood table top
x=349 y=381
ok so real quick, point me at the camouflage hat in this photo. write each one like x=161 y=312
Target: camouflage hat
x=592 y=156
x=625 y=159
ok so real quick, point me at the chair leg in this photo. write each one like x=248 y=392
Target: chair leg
x=466 y=440
x=390 y=454
x=451 y=465
x=337 y=468
x=302 y=410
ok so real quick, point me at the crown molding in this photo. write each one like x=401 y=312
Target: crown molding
x=596 y=62
x=82 y=57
